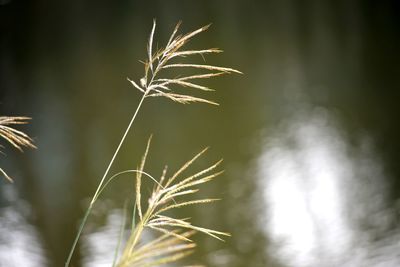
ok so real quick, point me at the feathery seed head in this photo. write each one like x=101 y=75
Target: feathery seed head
x=151 y=85
x=16 y=138
x=175 y=242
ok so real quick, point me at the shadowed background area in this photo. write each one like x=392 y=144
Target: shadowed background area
x=309 y=134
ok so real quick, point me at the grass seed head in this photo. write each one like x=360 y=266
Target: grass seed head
x=154 y=84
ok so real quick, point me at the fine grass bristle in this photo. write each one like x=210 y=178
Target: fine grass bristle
x=156 y=83
x=16 y=138
x=173 y=241
x=151 y=85
x=139 y=179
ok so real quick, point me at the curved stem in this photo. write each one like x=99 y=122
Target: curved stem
x=123 y=172
x=102 y=181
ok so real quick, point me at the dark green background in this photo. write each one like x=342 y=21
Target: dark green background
x=329 y=66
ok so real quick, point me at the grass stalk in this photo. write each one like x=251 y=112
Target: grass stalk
x=99 y=187
x=151 y=85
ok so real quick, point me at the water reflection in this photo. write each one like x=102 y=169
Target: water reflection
x=325 y=197
x=100 y=245
x=20 y=244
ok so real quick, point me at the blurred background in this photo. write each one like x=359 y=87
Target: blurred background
x=309 y=134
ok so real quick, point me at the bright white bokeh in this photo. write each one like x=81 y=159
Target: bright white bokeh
x=319 y=193
x=20 y=243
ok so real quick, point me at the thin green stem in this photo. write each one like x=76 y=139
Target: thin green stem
x=119 y=147
x=121 y=233
x=103 y=179
x=89 y=209
x=124 y=172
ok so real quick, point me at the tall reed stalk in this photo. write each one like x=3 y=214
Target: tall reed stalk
x=153 y=84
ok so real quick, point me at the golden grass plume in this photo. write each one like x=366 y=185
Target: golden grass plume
x=152 y=85
x=16 y=138
x=156 y=83
x=175 y=240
